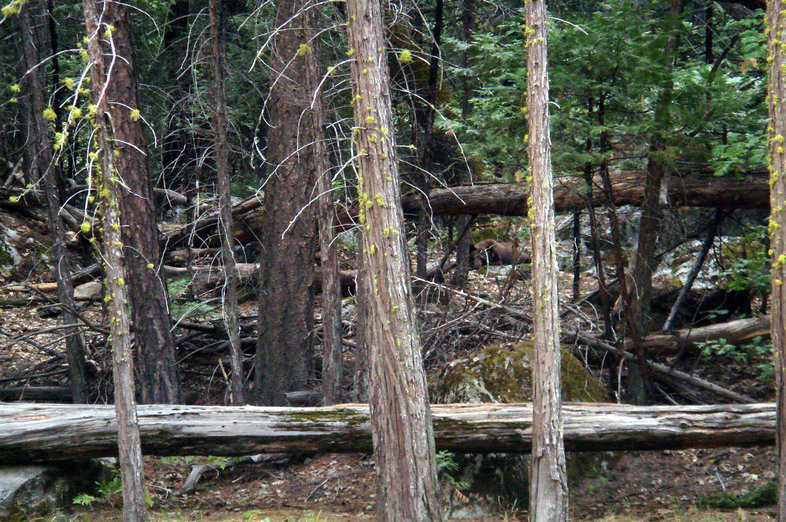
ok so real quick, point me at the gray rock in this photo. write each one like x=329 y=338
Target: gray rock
x=29 y=490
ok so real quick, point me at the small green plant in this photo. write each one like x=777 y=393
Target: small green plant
x=104 y=490
x=84 y=499
x=223 y=462
x=765 y=494
x=757 y=349
x=180 y=309
x=720 y=347
x=110 y=487
x=446 y=465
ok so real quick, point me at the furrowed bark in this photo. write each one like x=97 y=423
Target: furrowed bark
x=109 y=179
x=45 y=172
x=401 y=419
x=548 y=473
x=776 y=130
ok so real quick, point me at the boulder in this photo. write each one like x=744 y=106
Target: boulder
x=496 y=483
x=26 y=491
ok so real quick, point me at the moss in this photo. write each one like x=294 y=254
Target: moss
x=503 y=373
x=6 y=256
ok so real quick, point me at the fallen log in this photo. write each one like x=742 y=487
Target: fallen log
x=734 y=332
x=209 y=277
x=49 y=432
x=36 y=393
x=510 y=199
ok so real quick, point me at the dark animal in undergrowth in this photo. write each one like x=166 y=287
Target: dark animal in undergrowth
x=491 y=252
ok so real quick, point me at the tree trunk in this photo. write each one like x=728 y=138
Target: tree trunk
x=288 y=237
x=47 y=432
x=110 y=178
x=600 y=271
x=461 y=273
x=776 y=130
x=642 y=263
x=694 y=272
x=154 y=344
x=218 y=35
x=332 y=363
x=401 y=418
x=425 y=109
x=548 y=474
x=179 y=152
x=44 y=171
x=576 y=256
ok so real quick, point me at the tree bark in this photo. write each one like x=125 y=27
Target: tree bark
x=44 y=171
x=218 y=35
x=425 y=110
x=548 y=473
x=461 y=273
x=47 y=432
x=154 y=344
x=776 y=130
x=110 y=178
x=288 y=236
x=642 y=264
x=332 y=364
x=401 y=418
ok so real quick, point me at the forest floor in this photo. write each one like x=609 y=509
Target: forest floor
x=667 y=485
x=671 y=485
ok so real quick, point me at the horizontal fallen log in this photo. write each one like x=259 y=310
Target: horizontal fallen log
x=36 y=393
x=734 y=332
x=510 y=199
x=49 y=432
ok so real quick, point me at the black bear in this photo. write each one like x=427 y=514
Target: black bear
x=491 y=252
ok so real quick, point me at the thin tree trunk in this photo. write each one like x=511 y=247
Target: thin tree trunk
x=332 y=363
x=576 y=255
x=401 y=417
x=598 y=260
x=776 y=130
x=424 y=120
x=109 y=181
x=44 y=171
x=643 y=261
x=218 y=34
x=154 y=344
x=548 y=474
x=693 y=274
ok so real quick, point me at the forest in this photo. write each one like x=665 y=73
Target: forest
x=417 y=260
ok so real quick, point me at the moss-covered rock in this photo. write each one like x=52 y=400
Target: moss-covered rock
x=503 y=373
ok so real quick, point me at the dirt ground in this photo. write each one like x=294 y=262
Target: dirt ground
x=669 y=485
